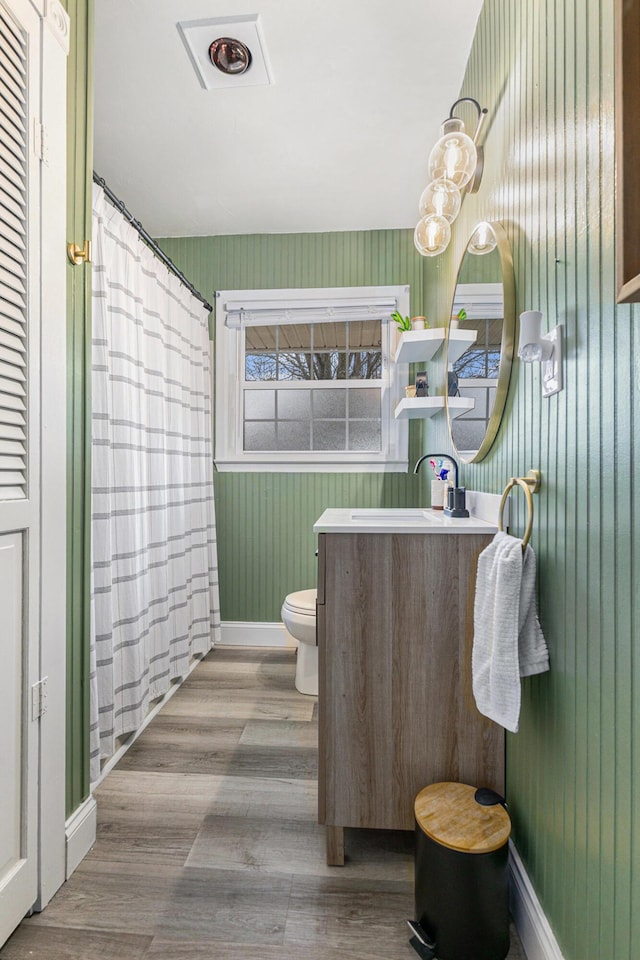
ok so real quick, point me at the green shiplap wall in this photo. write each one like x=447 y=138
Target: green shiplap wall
x=266 y=543
x=79 y=171
x=545 y=71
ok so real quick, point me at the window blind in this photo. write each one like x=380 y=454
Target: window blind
x=13 y=272
x=250 y=313
x=482 y=301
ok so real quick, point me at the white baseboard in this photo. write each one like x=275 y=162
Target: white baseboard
x=237 y=633
x=534 y=930
x=80 y=833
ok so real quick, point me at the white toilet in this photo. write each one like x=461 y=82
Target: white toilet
x=299 y=617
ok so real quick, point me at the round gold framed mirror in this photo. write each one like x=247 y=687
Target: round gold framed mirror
x=480 y=342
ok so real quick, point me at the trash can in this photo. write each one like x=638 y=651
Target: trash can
x=461 y=874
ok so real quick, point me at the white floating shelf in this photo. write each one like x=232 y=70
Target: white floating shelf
x=459 y=341
x=413 y=408
x=416 y=408
x=460 y=405
x=419 y=345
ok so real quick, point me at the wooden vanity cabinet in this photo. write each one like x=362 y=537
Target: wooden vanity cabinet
x=396 y=707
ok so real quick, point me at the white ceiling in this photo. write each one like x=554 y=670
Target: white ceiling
x=340 y=141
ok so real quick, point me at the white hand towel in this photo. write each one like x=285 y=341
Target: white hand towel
x=508 y=642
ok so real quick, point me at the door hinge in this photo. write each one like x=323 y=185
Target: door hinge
x=39 y=698
x=40 y=142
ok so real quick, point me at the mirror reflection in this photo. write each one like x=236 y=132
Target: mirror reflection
x=480 y=342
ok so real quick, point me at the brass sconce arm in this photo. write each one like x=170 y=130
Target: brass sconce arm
x=482 y=115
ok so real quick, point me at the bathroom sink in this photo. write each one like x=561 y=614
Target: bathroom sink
x=395 y=520
x=395 y=515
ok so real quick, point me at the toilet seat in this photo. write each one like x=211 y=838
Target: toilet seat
x=302 y=602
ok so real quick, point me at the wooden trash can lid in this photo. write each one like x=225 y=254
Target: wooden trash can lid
x=449 y=814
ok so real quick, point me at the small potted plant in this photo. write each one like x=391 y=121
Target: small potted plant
x=403 y=323
x=409 y=323
x=460 y=315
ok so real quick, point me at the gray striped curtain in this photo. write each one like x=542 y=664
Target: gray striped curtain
x=154 y=582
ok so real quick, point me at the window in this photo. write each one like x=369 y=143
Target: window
x=478 y=368
x=305 y=381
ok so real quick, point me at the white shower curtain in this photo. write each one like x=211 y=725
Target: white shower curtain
x=154 y=578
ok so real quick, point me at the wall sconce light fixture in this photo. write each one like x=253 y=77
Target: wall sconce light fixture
x=534 y=347
x=455 y=165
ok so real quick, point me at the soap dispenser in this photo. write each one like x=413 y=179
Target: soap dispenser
x=456 y=503
x=448 y=506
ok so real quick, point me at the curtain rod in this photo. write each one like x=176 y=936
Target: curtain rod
x=159 y=253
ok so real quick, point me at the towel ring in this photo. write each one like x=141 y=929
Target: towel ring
x=530 y=484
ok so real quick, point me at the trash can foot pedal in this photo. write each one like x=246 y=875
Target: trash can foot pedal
x=425 y=952
x=421 y=942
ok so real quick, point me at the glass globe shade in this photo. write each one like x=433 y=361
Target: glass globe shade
x=442 y=198
x=482 y=240
x=454 y=156
x=531 y=353
x=432 y=235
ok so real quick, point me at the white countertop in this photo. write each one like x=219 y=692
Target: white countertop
x=397 y=520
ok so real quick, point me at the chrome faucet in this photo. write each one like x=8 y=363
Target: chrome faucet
x=456 y=506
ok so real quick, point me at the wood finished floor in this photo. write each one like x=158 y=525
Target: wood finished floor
x=208 y=845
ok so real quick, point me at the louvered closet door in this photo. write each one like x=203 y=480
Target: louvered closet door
x=19 y=458
x=13 y=265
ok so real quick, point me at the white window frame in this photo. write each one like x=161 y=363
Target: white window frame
x=305 y=303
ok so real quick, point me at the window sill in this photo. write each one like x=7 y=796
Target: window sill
x=324 y=465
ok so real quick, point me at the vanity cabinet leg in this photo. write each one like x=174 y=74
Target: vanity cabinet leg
x=335 y=846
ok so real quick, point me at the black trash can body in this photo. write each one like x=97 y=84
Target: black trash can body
x=461 y=873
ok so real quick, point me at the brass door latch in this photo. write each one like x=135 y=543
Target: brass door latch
x=78 y=255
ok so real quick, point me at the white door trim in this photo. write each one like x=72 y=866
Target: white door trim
x=53 y=440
